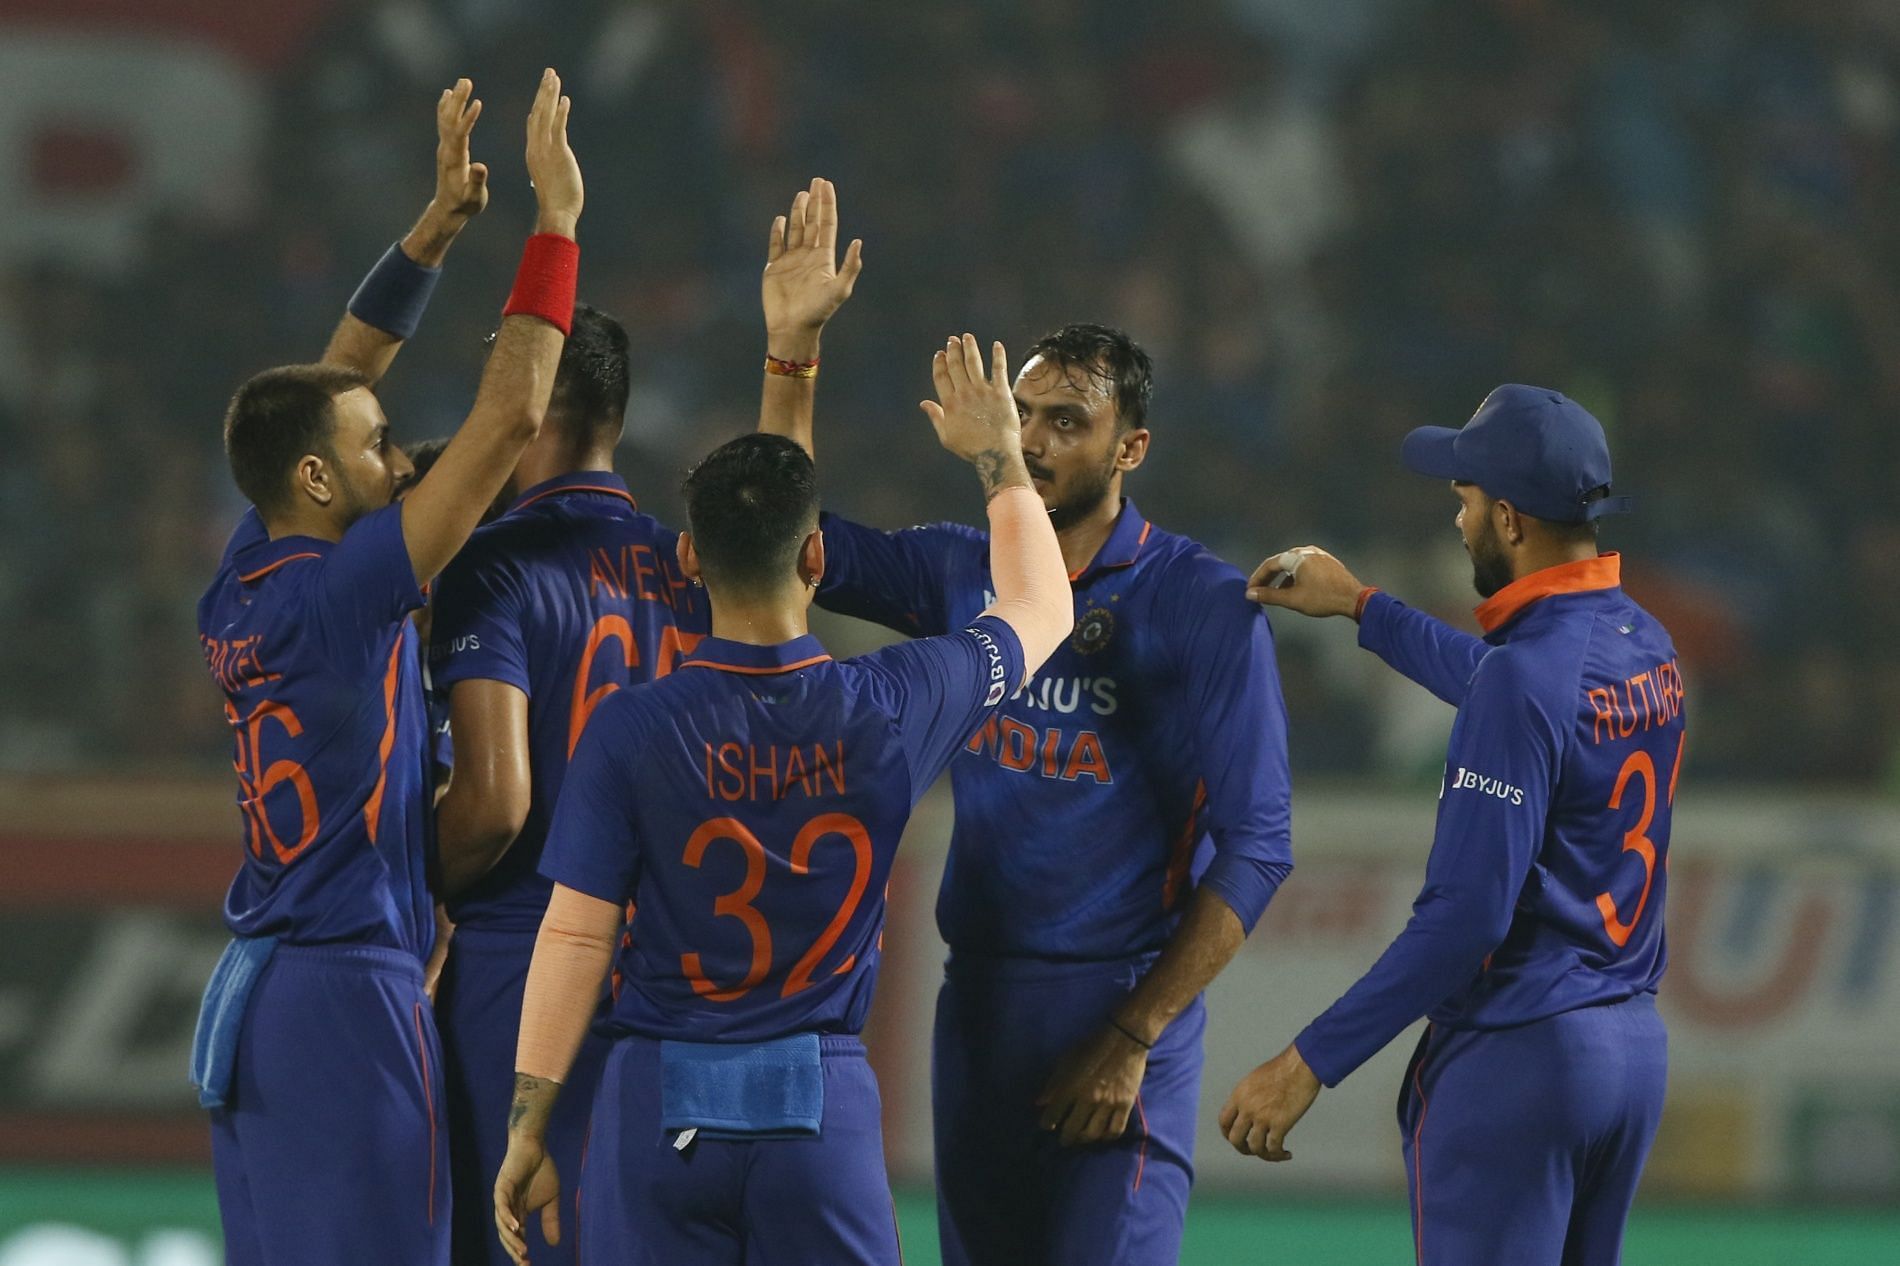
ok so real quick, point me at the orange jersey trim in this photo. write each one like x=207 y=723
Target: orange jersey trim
x=555 y=492
x=752 y=670
x=373 y=811
x=271 y=567
x=1583 y=576
x=1147 y=526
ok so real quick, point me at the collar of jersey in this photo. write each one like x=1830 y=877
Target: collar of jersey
x=1587 y=575
x=604 y=482
x=754 y=660
x=1123 y=545
x=254 y=562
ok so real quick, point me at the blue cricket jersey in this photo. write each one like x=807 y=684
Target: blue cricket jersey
x=1544 y=889
x=1147 y=754
x=311 y=643
x=569 y=596
x=750 y=805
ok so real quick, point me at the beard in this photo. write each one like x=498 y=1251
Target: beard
x=1083 y=497
x=1490 y=566
x=354 y=502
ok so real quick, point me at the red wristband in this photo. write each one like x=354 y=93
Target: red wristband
x=1359 y=607
x=544 y=284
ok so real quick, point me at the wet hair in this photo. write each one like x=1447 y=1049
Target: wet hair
x=275 y=419
x=592 y=383
x=1109 y=357
x=751 y=503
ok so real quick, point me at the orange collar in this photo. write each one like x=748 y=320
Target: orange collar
x=1584 y=576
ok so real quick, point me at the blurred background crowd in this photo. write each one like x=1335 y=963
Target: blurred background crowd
x=1327 y=223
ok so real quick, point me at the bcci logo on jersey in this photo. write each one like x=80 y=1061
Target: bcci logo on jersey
x=1093 y=630
x=999 y=672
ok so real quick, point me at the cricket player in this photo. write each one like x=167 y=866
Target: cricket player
x=570 y=595
x=1536 y=945
x=1121 y=821
x=316 y=1048
x=750 y=805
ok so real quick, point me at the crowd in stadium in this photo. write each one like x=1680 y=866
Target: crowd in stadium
x=1554 y=181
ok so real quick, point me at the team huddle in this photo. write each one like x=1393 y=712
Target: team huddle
x=566 y=844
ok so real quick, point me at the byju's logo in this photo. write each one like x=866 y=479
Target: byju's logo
x=998 y=670
x=1472 y=780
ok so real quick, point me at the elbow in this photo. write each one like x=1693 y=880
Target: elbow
x=525 y=424
x=473 y=841
x=495 y=829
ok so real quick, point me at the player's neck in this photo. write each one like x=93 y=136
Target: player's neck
x=304 y=521
x=1541 y=556
x=760 y=622
x=1083 y=539
x=540 y=464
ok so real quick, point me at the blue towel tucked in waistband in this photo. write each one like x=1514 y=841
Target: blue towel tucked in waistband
x=221 y=1016
x=743 y=1090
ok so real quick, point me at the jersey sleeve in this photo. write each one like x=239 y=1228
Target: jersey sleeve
x=480 y=603
x=900 y=580
x=1232 y=690
x=364 y=585
x=936 y=690
x=1506 y=747
x=1424 y=648
x=593 y=844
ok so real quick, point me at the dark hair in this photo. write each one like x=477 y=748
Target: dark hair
x=422 y=454
x=591 y=386
x=1584 y=530
x=278 y=417
x=1108 y=356
x=751 y=503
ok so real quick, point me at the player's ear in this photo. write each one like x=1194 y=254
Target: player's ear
x=811 y=559
x=689 y=558
x=1131 y=448
x=311 y=478
x=1510 y=522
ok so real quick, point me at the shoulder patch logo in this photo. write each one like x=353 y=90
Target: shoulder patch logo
x=1093 y=630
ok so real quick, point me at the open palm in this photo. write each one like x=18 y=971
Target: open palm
x=804 y=282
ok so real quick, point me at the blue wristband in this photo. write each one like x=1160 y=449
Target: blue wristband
x=394 y=294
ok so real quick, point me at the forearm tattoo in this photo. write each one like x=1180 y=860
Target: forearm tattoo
x=530 y=1093
x=993 y=467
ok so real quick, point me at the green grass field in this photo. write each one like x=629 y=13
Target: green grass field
x=132 y=1204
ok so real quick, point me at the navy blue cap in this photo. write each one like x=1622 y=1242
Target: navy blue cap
x=1531 y=446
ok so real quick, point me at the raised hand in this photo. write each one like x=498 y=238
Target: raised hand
x=461 y=186
x=974 y=416
x=804 y=283
x=551 y=163
x=1307 y=580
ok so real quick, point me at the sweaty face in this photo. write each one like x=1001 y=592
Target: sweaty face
x=1072 y=440
x=1477 y=524
x=371 y=470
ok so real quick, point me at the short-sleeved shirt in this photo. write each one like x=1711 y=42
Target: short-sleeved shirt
x=569 y=596
x=311 y=644
x=750 y=805
x=1545 y=885
x=1148 y=753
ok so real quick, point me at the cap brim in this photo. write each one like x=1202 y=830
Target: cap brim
x=1428 y=451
